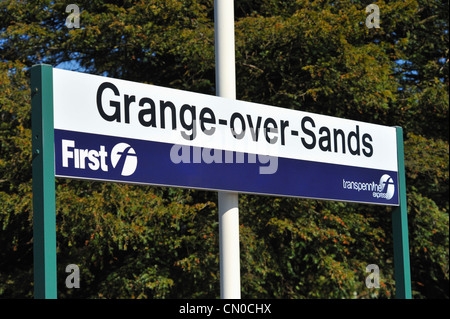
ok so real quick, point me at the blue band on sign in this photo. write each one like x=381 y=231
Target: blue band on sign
x=117 y=159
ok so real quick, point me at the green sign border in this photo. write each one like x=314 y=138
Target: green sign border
x=44 y=215
x=402 y=272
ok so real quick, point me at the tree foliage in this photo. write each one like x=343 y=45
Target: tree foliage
x=318 y=56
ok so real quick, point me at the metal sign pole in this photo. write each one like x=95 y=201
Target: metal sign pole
x=230 y=282
x=43 y=162
x=402 y=272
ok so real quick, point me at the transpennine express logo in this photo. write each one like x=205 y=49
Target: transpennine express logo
x=388 y=186
x=384 y=189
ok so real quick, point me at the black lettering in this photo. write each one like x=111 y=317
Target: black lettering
x=255 y=133
x=150 y=111
x=368 y=153
x=115 y=104
x=127 y=101
x=354 y=135
x=211 y=119
x=268 y=130
x=325 y=139
x=342 y=134
x=234 y=116
x=308 y=132
x=162 y=107
x=284 y=124
x=191 y=126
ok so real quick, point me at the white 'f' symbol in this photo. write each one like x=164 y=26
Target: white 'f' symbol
x=123 y=156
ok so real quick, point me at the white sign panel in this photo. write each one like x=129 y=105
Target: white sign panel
x=99 y=105
x=110 y=129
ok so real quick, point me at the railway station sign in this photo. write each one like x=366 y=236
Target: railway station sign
x=120 y=131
